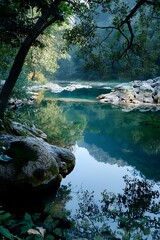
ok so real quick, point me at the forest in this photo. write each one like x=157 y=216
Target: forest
x=79 y=94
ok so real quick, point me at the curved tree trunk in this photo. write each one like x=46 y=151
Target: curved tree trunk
x=40 y=26
x=13 y=75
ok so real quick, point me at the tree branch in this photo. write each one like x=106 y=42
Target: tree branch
x=150 y=2
x=103 y=40
x=133 y=11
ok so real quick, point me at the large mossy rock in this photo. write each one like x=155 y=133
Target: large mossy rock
x=30 y=163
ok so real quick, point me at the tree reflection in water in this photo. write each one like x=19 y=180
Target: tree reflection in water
x=131 y=215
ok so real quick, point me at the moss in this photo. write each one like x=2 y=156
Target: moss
x=38 y=177
x=21 y=154
x=53 y=169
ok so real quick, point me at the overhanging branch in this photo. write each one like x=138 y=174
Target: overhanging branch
x=133 y=11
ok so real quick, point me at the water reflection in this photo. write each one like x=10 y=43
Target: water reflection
x=133 y=214
x=107 y=142
x=96 y=176
x=109 y=134
x=130 y=138
x=91 y=175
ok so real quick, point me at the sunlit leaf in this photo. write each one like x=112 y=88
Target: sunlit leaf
x=33 y=231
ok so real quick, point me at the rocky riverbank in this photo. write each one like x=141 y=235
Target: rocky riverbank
x=143 y=95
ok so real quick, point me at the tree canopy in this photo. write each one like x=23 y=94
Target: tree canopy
x=119 y=35
x=22 y=22
x=107 y=30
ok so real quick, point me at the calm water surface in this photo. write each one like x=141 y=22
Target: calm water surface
x=108 y=142
x=113 y=144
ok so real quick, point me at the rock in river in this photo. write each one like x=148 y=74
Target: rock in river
x=135 y=95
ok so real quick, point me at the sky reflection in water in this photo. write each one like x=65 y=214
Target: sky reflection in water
x=91 y=175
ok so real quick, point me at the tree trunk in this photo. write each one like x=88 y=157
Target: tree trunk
x=13 y=75
x=16 y=68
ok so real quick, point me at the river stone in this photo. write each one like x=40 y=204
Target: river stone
x=135 y=95
x=57 y=88
x=146 y=87
x=35 y=164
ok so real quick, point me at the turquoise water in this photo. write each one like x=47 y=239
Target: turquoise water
x=82 y=93
x=108 y=142
x=113 y=136
x=113 y=144
x=107 y=133
x=117 y=141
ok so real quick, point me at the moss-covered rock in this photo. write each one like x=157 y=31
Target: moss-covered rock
x=32 y=162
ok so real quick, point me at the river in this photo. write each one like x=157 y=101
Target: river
x=108 y=142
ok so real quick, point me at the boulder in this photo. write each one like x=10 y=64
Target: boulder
x=109 y=98
x=30 y=163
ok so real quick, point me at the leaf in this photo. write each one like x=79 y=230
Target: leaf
x=98 y=238
x=5 y=216
x=5 y=232
x=2 y=211
x=27 y=217
x=27 y=223
x=33 y=231
x=146 y=231
x=58 y=232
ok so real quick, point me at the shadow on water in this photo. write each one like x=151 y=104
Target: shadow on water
x=25 y=200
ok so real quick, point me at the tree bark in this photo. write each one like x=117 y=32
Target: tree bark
x=13 y=75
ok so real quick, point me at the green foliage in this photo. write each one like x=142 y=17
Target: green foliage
x=27 y=223
x=5 y=232
x=115 y=44
x=6 y=59
x=53 y=49
x=8 y=228
x=102 y=45
x=20 y=90
x=18 y=18
x=50 y=119
x=50 y=44
x=38 y=226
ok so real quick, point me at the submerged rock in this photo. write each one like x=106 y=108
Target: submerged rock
x=135 y=95
x=32 y=163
